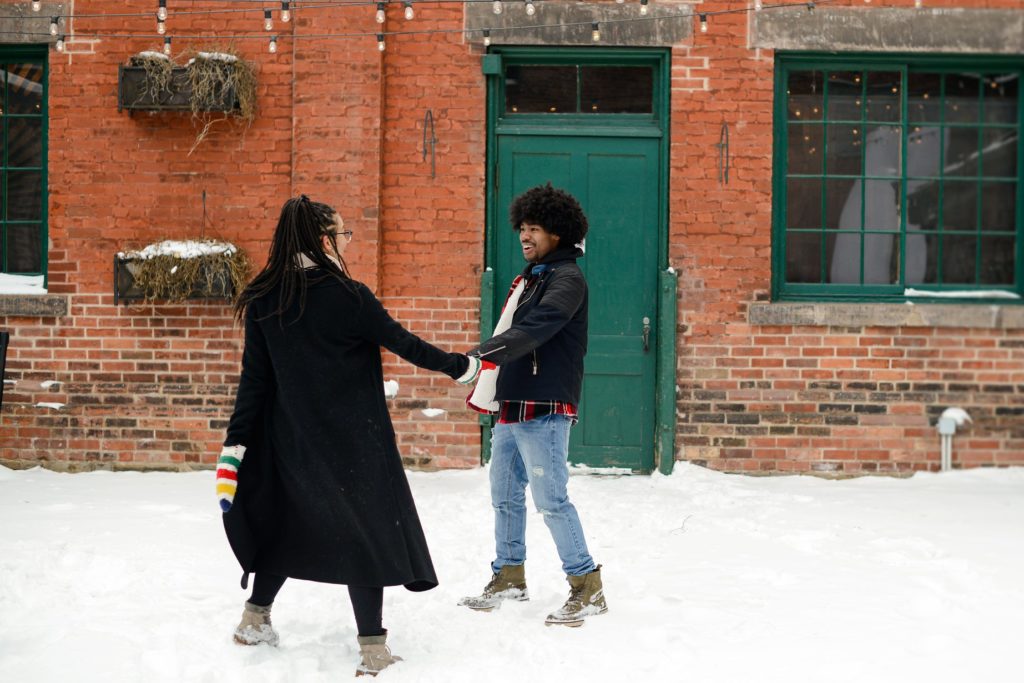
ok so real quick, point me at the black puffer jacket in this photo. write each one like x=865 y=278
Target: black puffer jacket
x=541 y=355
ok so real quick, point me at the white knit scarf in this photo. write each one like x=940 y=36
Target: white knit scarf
x=482 y=398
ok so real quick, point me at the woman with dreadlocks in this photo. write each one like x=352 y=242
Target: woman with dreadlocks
x=310 y=479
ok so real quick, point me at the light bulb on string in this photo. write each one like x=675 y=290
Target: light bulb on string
x=530 y=9
x=595 y=32
x=381 y=15
x=167 y=45
x=487 y=38
x=380 y=42
x=286 y=12
x=161 y=26
x=60 y=43
x=273 y=44
x=409 y=13
x=703 y=23
x=496 y=6
x=36 y=6
x=620 y=1
x=758 y=5
x=918 y=4
x=161 y=9
x=53 y=25
x=643 y=8
x=268 y=20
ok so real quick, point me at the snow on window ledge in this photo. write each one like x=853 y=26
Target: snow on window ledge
x=22 y=284
x=938 y=313
x=964 y=294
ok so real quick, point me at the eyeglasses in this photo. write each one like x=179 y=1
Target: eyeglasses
x=347 y=234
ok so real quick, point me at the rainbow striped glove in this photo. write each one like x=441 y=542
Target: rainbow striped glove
x=227 y=474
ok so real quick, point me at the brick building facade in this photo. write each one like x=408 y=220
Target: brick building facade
x=754 y=374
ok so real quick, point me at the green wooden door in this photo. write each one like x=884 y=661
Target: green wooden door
x=616 y=180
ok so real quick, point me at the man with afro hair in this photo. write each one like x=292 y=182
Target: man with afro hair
x=538 y=348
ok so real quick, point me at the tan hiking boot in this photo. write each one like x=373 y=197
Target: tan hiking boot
x=586 y=599
x=256 y=627
x=376 y=656
x=508 y=584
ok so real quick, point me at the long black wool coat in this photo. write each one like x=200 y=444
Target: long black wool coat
x=321 y=491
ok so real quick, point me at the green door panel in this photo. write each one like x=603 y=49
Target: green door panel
x=616 y=181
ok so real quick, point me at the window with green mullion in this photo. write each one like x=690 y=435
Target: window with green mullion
x=23 y=160
x=896 y=175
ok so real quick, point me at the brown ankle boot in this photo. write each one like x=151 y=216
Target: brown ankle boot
x=586 y=599
x=508 y=584
x=376 y=656
x=256 y=627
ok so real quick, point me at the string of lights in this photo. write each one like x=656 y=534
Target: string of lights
x=380 y=7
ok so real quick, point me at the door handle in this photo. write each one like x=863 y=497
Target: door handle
x=647 y=334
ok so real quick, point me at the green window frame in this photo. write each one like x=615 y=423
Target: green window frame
x=24 y=78
x=898 y=177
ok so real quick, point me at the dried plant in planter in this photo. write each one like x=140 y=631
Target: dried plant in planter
x=177 y=270
x=159 y=73
x=216 y=77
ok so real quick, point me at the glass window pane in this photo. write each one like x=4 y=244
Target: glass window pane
x=924 y=97
x=958 y=259
x=960 y=205
x=803 y=203
x=844 y=95
x=25 y=142
x=24 y=84
x=803 y=257
x=884 y=94
x=962 y=102
x=844 y=150
x=882 y=154
x=806 y=95
x=922 y=257
x=999 y=152
x=24 y=197
x=548 y=89
x=922 y=204
x=924 y=149
x=999 y=208
x=997 y=260
x=843 y=204
x=842 y=258
x=1000 y=98
x=24 y=249
x=882 y=205
x=617 y=89
x=962 y=152
x=804 y=149
x=881 y=259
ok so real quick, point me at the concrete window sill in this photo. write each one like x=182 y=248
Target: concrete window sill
x=33 y=305
x=992 y=317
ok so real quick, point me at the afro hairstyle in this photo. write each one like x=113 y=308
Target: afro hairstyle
x=555 y=210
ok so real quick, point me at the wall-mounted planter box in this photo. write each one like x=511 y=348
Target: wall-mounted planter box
x=180 y=270
x=135 y=92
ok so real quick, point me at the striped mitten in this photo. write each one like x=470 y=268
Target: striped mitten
x=227 y=474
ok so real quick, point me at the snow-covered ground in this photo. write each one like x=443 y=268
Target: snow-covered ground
x=118 y=577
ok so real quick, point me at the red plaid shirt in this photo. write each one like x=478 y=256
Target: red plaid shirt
x=521 y=411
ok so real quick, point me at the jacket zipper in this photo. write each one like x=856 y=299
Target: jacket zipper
x=535 y=362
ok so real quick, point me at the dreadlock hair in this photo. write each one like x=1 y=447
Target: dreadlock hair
x=299 y=230
x=555 y=210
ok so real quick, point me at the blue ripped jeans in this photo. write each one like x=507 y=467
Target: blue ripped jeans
x=535 y=452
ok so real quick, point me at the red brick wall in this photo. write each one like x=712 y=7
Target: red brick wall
x=788 y=398
x=152 y=384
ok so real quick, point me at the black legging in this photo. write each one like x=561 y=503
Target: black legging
x=367 y=601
